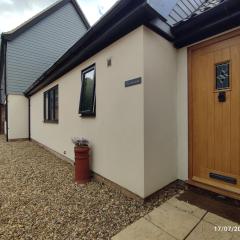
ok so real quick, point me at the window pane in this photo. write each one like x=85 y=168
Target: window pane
x=51 y=105
x=222 y=76
x=88 y=92
x=56 y=104
x=46 y=106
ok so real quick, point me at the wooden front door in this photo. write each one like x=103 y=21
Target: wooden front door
x=214 y=119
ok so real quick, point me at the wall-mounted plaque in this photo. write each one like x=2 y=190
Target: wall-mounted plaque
x=133 y=82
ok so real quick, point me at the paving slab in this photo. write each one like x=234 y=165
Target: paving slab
x=212 y=202
x=235 y=237
x=186 y=207
x=173 y=220
x=206 y=231
x=142 y=230
x=180 y=220
x=223 y=222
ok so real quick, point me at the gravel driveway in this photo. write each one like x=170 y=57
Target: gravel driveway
x=38 y=199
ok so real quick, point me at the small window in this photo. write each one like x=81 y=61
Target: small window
x=87 y=99
x=222 y=76
x=51 y=105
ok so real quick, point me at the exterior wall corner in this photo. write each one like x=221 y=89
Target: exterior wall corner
x=160 y=124
x=182 y=113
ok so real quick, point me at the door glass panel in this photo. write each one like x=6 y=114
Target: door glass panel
x=222 y=76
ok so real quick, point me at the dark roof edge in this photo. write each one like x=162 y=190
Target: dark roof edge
x=115 y=24
x=81 y=13
x=86 y=47
x=45 y=13
x=219 y=19
x=89 y=38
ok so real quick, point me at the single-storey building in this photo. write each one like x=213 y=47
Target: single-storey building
x=154 y=86
x=27 y=52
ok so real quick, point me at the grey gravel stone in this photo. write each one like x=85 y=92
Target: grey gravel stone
x=38 y=199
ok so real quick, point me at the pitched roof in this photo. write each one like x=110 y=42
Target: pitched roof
x=209 y=18
x=10 y=35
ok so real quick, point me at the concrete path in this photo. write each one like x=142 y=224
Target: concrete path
x=179 y=220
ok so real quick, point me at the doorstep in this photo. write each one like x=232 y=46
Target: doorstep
x=176 y=219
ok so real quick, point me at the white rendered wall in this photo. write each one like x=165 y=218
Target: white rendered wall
x=139 y=134
x=116 y=133
x=160 y=116
x=182 y=114
x=17 y=117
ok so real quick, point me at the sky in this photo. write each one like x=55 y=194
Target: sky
x=15 y=12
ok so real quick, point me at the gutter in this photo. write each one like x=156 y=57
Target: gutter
x=139 y=14
x=127 y=15
x=219 y=19
x=89 y=36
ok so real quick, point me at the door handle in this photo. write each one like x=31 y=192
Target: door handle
x=222 y=96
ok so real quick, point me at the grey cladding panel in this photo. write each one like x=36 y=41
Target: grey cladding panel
x=34 y=51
